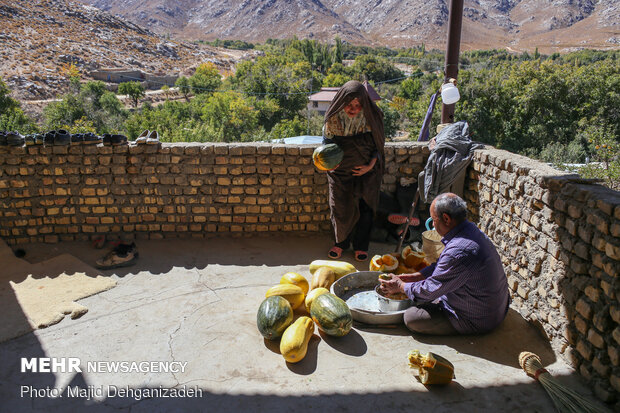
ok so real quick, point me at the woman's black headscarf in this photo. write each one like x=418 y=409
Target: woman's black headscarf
x=374 y=116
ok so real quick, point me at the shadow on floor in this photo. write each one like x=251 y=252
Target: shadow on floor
x=501 y=346
x=160 y=256
x=529 y=397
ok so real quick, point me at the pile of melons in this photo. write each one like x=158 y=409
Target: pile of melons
x=276 y=320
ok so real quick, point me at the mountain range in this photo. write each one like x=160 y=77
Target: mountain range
x=559 y=25
x=40 y=39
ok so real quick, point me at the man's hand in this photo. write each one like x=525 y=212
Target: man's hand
x=363 y=169
x=392 y=286
x=396 y=283
x=410 y=278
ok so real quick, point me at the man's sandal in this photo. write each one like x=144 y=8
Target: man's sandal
x=361 y=255
x=334 y=253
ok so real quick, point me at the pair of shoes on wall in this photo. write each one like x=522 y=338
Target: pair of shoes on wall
x=29 y=139
x=90 y=138
x=77 y=139
x=48 y=138
x=14 y=139
x=87 y=138
x=118 y=139
x=62 y=137
x=141 y=140
x=57 y=137
x=114 y=139
x=148 y=137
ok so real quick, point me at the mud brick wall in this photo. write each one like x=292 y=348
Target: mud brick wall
x=51 y=194
x=559 y=238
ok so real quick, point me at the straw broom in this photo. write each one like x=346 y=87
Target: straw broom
x=564 y=398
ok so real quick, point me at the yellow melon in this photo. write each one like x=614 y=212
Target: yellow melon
x=383 y=263
x=412 y=258
x=296 y=279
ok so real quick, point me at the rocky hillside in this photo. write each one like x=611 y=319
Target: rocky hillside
x=550 y=25
x=236 y=19
x=40 y=38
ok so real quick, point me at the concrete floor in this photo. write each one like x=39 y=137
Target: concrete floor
x=195 y=301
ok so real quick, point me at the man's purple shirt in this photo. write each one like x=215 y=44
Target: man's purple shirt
x=468 y=280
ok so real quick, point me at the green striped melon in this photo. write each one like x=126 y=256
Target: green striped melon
x=331 y=314
x=274 y=315
x=327 y=157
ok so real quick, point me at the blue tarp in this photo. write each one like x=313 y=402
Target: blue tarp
x=297 y=140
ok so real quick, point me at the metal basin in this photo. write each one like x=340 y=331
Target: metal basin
x=388 y=304
x=358 y=291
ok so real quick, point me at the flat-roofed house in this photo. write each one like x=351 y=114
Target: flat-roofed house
x=321 y=100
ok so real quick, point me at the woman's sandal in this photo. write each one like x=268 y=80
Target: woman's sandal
x=399 y=219
x=334 y=253
x=361 y=255
x=98 y=242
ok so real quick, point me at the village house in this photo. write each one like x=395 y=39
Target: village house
x=320 y=101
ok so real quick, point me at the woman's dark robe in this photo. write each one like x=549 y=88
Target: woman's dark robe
x=345 y=190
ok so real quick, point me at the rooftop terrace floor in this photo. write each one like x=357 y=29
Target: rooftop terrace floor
x=195 y=301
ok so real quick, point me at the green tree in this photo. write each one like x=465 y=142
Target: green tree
x=7 y=103
x=166 y=91
x=64 y=113
x=229 y=117
x=11 y=115
x=184 y=86
x=174 y=121
x=335 y=80
x=391 y=119
x=273 y=77
x=374 y=68
x=410 y=88
x=542 y=108
x=110 y=104
x=337 y=75
x=132 y=89
x=605 y=150
x=288 y=128
x=92 y=104
x=337 y=51
x=268 y=110
x=17 y=120
x=82 y=125
x=206 y=79
x=90 y=95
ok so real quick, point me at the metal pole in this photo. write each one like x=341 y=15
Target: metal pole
x=308 y=109
x=451 y=69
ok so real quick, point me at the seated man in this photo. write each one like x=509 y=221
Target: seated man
x=465 y=291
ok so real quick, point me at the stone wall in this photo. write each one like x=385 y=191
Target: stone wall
x=49 y=194
x=559 y=238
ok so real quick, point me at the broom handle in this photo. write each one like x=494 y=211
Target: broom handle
x=411 y=212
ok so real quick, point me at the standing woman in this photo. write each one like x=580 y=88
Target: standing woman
x=355 y=123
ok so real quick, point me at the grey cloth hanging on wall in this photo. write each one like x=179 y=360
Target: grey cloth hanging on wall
x=448 y=160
